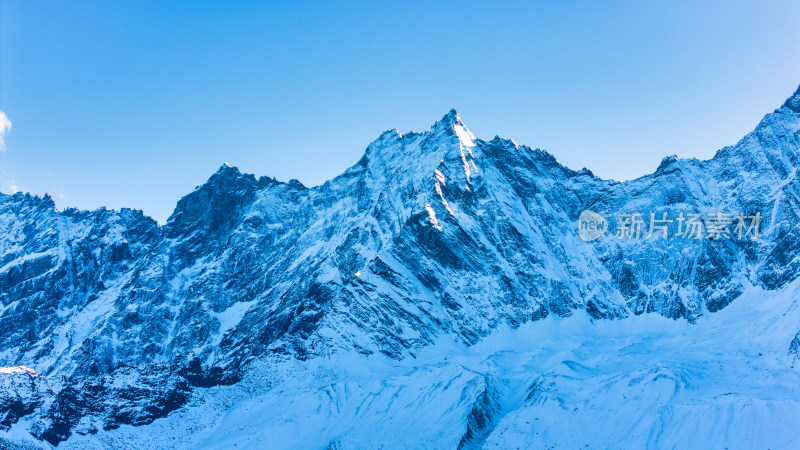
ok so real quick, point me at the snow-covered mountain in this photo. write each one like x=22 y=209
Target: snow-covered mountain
x=437 y=294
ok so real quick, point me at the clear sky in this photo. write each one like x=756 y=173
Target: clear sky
x=134 y=103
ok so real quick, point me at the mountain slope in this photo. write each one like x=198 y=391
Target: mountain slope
x=646 y=381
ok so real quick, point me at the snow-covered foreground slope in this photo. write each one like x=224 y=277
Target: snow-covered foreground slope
x=646 y=381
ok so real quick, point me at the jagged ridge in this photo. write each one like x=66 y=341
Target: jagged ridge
x=430 y=234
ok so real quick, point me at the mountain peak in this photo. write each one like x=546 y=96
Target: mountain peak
x=227 y=168
x=448 y=121
x=451 y=117
x=793 y=102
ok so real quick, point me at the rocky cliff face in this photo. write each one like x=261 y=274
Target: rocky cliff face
x=430 y=235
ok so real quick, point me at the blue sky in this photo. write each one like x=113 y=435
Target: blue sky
x=134 y=103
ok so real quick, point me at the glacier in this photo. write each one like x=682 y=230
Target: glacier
x=434 y=295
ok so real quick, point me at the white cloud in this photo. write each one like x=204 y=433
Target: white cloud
x=5 y=125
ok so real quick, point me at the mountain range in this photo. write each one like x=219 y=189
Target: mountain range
x=437 y=294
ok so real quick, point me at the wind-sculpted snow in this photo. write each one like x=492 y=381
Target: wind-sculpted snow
x=430 y=236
